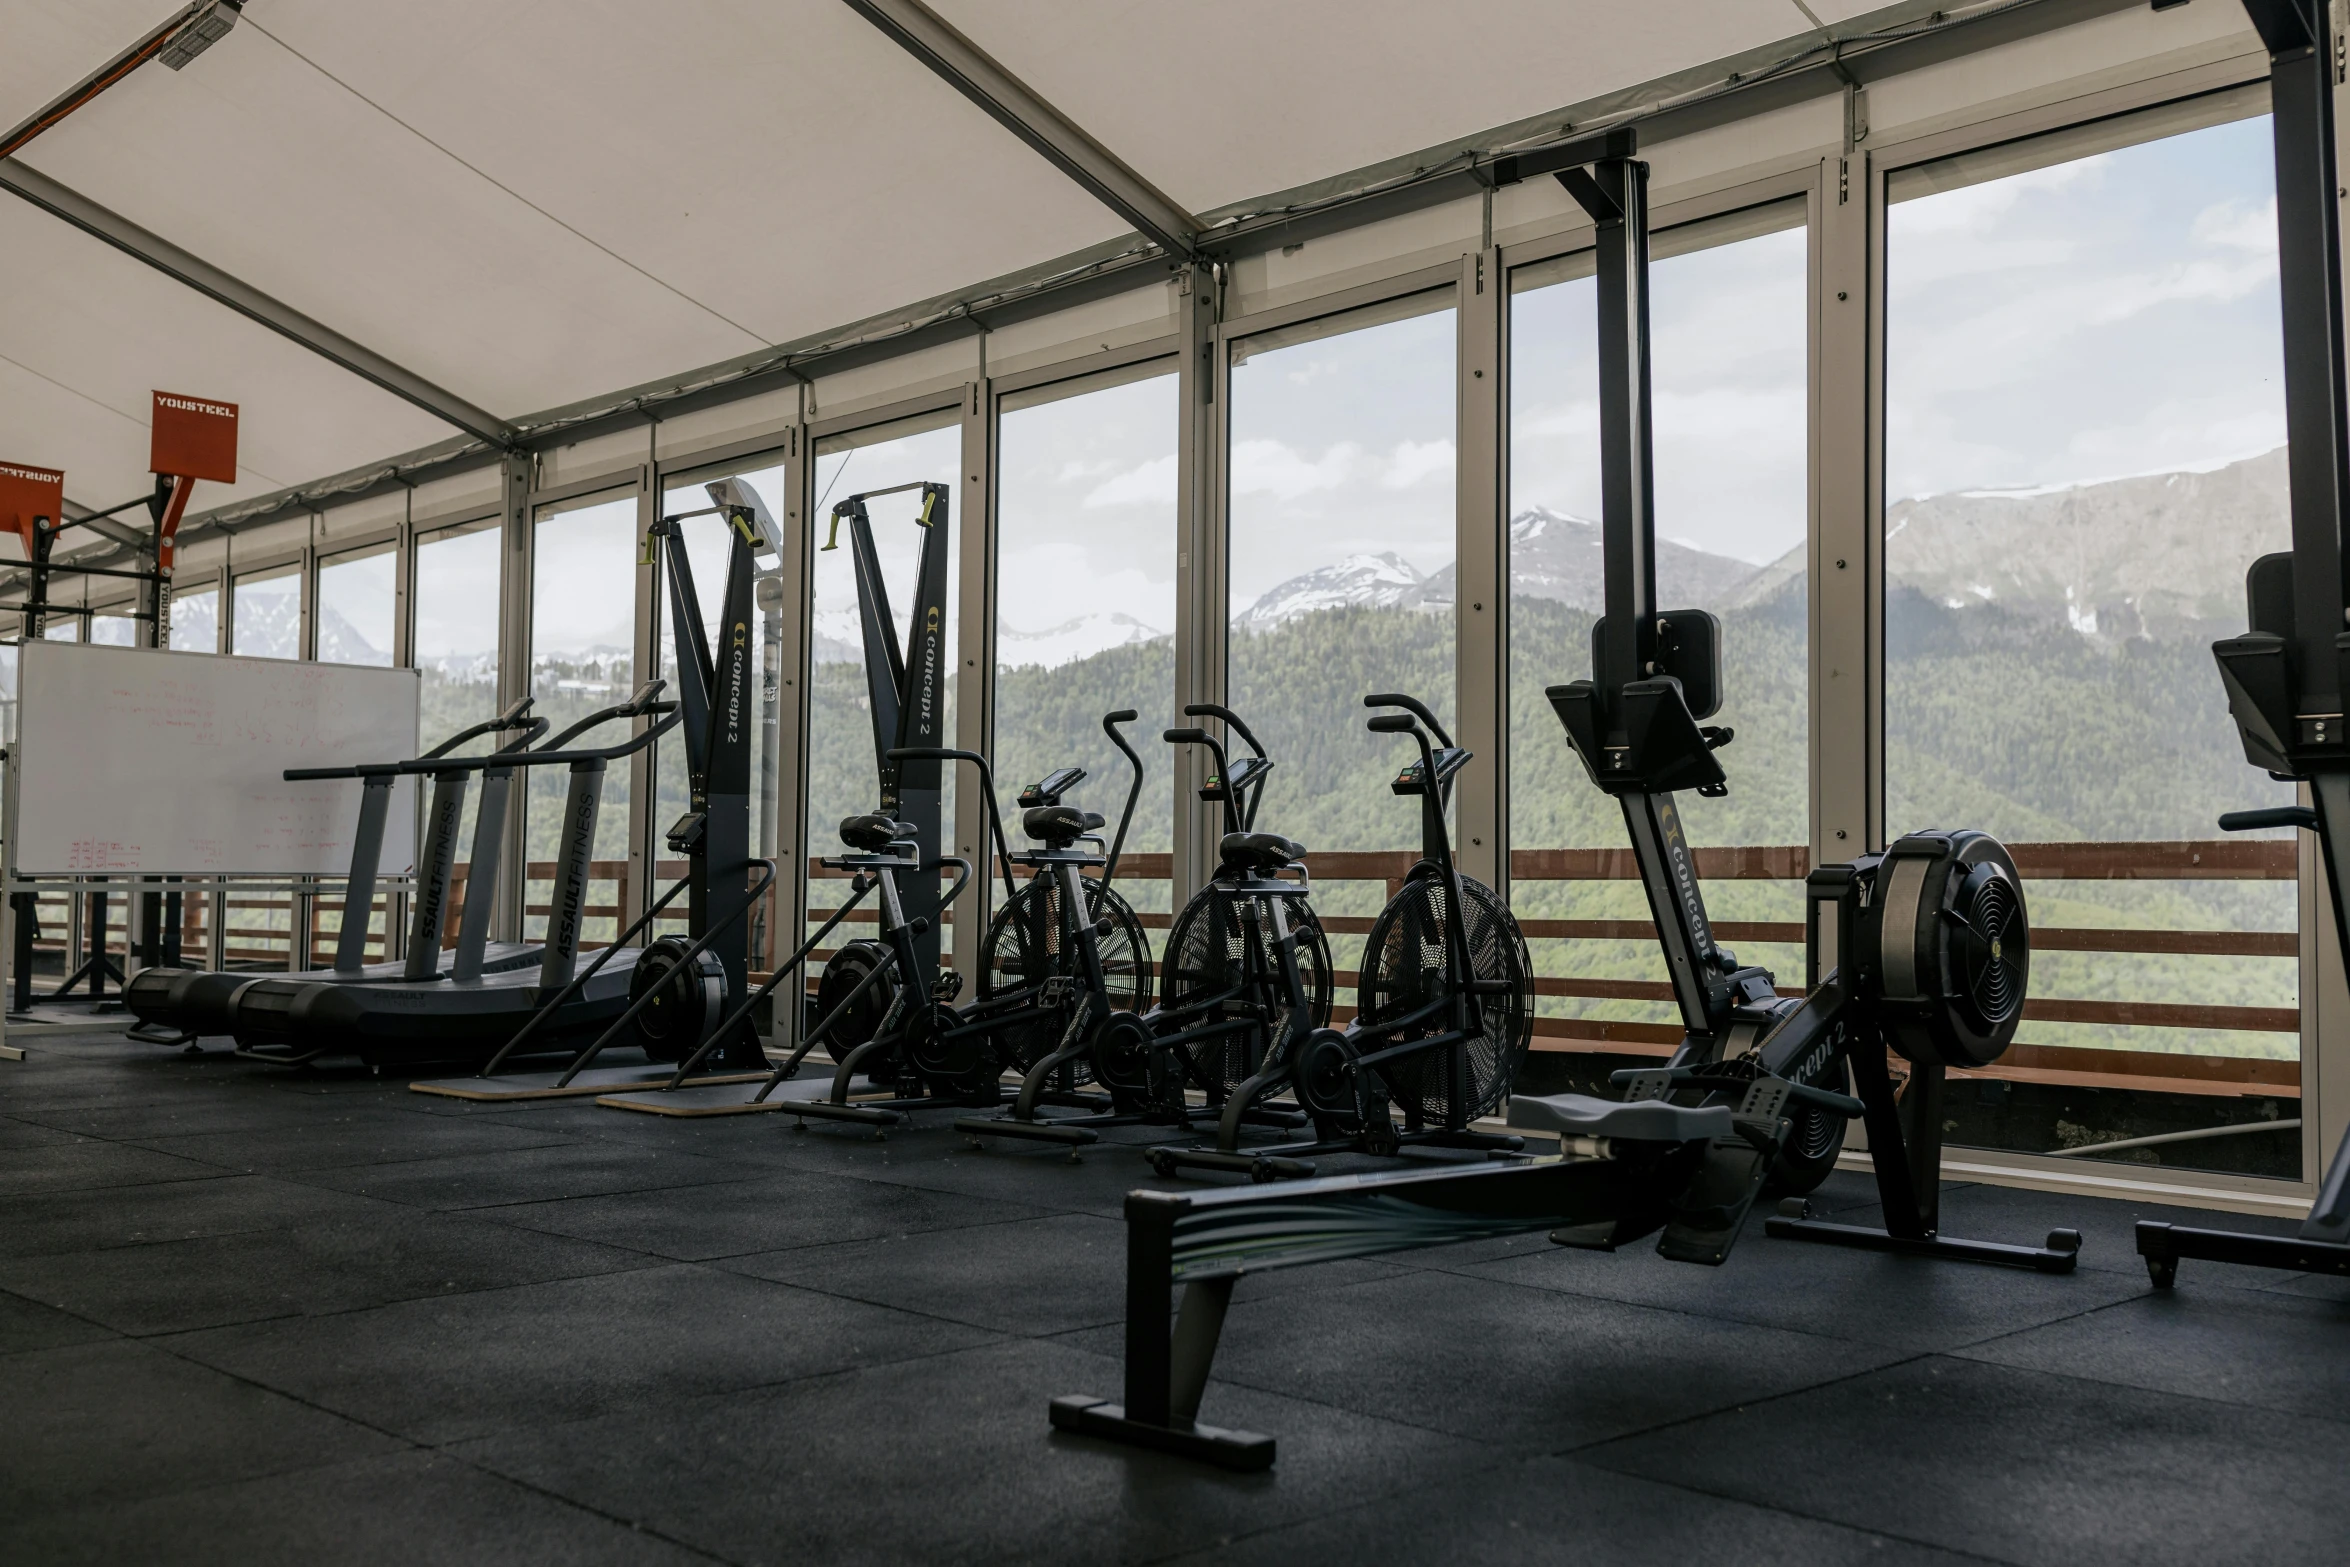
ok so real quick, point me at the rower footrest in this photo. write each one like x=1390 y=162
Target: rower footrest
x=1247 y=1451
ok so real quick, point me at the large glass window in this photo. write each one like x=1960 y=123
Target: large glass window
x=195 y=621
x=1085 y=600
x=1341 y=568
x=456 y=650
x=1727 y=315
x=267 y=618
x=708 y=544
x=355 y=606
x=2084 y=449
x=582 y=657
x=843 y=772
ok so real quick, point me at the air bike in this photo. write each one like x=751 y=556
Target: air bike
x=893 y=849
x=2287 y=675
x=1247 y=972
x=1922 y=949
x=178 y=1005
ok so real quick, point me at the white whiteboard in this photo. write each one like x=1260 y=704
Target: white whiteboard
x=142 y=762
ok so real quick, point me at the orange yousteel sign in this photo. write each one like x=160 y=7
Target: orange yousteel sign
x=27 y=492
x=194 y=438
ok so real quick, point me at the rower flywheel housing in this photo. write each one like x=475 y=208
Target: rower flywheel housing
x=1952 y=947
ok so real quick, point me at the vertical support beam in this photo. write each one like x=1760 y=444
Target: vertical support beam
x=517 y=474
x=396 y=906
x=1201 y=587
x=644 y=825
x=404 y=588
x=1481 y=573
x=974 y=670
x=1847 y=517
x=791 y=838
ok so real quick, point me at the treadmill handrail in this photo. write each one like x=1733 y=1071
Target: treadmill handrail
x=516 y=716
x=669 y=720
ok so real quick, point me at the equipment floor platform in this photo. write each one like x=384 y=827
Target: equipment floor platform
x=255 y=1315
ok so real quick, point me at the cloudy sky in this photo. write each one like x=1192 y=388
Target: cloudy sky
x=2109 y=316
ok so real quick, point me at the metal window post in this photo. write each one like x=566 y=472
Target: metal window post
x=1847 y=519
x=644 y=824
x=975 y=658
x=1481 y=573
x=515 y=475
x=1201 y=590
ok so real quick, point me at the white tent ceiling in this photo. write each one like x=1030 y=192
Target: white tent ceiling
x=533 y=205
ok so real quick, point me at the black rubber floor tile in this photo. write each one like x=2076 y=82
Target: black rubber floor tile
x=397 y=1511
x=2254 y=1347
x=191 y=1113
x=952 y=1460
x=28 y=1325
x=16 y=1134
x=216 y=1204
x=1556 y=1510
x=2022 y=1466
x=770 y=1211
x=939 y=1159
x=1502 y=1362
x=338 y=1139
x=370 y=1258
x=105 y=1424
x=440 y=1370
x=89 y=1165
x=502 y=1176
x=1907 y=1303
x=1032 y=1276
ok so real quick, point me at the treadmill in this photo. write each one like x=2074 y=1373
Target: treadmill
x=178 y=1005
x=271 y=1015
x=475 y=1013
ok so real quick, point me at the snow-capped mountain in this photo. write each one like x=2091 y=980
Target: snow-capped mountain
x=1552 y=556
x=1557 y=556
x=1383 y=579
x=1093 y=632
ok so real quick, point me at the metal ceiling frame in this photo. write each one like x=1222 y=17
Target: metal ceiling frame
x=1437 y=175
x=99 y=222
x=1020 y=109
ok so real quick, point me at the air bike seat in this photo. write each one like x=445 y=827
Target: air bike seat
x=1638 y=1121
x=1264 y=852
x=1058 y=826
x=874 y=832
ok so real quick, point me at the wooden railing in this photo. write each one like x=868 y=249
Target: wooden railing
x=2223 y=860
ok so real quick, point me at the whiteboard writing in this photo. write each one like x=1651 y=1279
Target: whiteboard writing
x=141 y=762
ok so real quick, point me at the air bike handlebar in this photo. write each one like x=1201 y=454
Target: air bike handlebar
x=2269 y=816
x=1411 y=705
x=1110 y=723
x=1231 y=721
x=932 y=753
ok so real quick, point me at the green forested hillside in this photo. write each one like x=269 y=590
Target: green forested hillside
x=2029 y=730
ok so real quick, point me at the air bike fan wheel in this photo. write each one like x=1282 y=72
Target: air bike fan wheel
x=1403 y=971
x=1952 y=946
x=1037 y=948
x=1208 y=956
